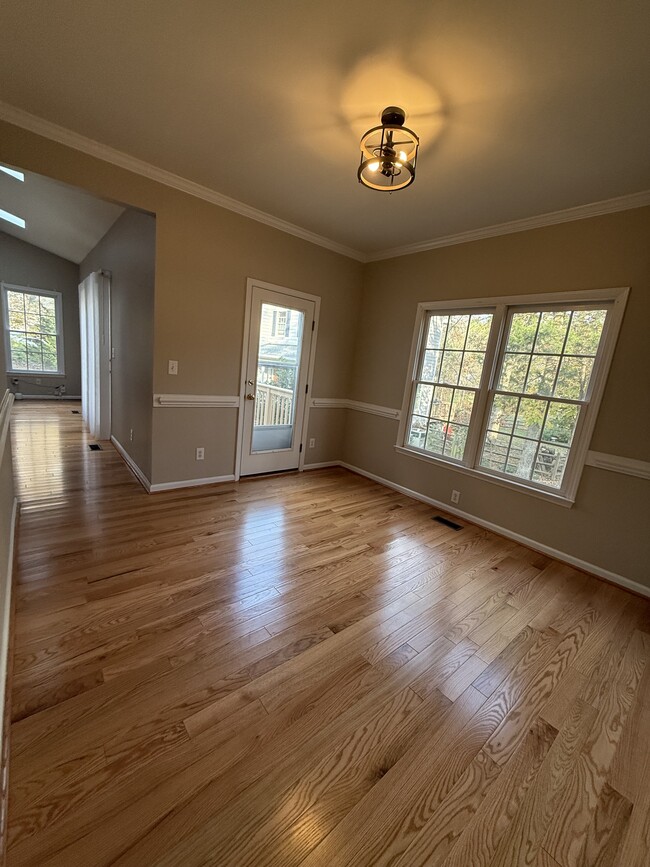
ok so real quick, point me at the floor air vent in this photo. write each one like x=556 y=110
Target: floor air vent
x=447 y=522
x=97 y=448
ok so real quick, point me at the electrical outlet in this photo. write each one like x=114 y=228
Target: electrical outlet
x=200 y=454
x=312 y=443
x=38 y=380
x=131 y=434
x=172 y=368
x=455 y=496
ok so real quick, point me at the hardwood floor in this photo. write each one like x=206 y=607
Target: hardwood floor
x=307 y=670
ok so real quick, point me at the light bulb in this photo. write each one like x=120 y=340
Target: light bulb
x=402 y=156
x=397 y=165
x=373 y=167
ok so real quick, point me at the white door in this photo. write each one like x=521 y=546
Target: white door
x=95 y=332
x=276 y=369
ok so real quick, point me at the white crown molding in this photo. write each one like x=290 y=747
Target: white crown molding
x=54 y=132
x=568 y=215
x=627 y=466
x=612 y=577
x=47 y=129
x=359 y=406
x=204 y=400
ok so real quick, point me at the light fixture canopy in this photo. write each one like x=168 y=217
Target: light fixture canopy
x=388 y=153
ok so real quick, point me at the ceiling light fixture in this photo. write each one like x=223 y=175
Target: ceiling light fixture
x=388 y=153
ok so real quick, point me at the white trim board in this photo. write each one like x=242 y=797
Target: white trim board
x=627 y=466
x=24 y=396
x=190 y=483
x=218 y=400
x=131 y=464
x=69 y=138
x=5 y=626
x=591 y=568
x=359 y=406
x=553 y=218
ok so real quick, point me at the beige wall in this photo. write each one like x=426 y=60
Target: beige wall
x=128 y=251
x=26 y=265
x=608 y=525
x=204 y=254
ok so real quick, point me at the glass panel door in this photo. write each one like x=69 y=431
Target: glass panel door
x=278 y=365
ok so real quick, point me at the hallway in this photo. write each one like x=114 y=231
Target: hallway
x=307 y=670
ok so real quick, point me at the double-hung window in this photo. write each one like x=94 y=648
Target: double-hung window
x=509 y=388
x=33 y=330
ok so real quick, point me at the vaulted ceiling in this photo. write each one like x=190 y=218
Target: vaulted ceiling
x=60 y=219
x=523 y=108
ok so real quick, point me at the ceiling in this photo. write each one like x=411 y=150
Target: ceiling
x=60 y=219
x=523 y=108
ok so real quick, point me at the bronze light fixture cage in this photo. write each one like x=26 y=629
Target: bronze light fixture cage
x=388 y=153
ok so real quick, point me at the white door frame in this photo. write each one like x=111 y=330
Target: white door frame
x=252 y=283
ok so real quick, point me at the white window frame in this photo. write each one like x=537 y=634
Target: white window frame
x=501 y=307
x=60 y=356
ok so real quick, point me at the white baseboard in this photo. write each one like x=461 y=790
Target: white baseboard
x=641 y=589
x=48 y=396
x=322 y=465
x=131 y=464
x=6 y=611
x=190 y=483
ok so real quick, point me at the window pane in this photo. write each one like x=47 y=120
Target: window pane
x=573 y=379
x=431 y=365
x=32 y=304
x=552 y=330
x=530 y=417
x=441 y=405
x=521 y=457
x=437 y=331
x=495 y=451
x=502 y=416
x=479 y=331
x=33 y=322
x=18 y=360
x=513 y=372
x=560 y=423
x=422 y=403
x=418 y=431
x=472 y=369
x=585 y=332
x=550 y=465
x=541 y=376
x=456 y=332
x=522 y=332
x=450 y=367
x=455 y=441
x=49 y=361
x=18 y=351
x=461 y=410
x=16 y=301
x=436 y=437
x=17 y=320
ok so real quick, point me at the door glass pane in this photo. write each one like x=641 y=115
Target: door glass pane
x=278 y=363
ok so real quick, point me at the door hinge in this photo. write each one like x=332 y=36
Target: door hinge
x=307 y=389
x=300 y=448
x=313 y=324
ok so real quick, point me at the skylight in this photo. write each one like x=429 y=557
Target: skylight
x=13 y=173
x=12 y=218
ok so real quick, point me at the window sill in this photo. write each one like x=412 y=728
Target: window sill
x=558 y=499
x=33 y=374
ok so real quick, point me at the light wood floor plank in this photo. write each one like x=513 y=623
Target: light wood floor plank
x=306 y=669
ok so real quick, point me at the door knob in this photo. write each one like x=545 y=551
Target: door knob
x=250 y=397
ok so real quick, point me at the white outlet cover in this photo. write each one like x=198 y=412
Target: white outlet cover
x=172 y=368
